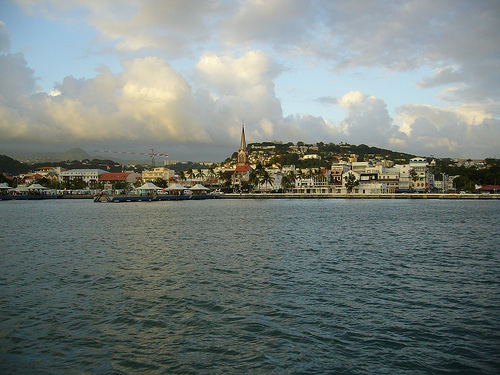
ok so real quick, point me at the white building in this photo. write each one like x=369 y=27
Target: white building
x=312 y=156
x=422 y=179
x=86 y=175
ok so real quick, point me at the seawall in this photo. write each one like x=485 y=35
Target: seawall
x=359 y=196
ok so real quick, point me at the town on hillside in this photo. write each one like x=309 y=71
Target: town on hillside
x=320 y=169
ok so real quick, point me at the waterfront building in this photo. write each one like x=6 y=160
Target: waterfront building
x=390 y=178
x=421 y=179
x=129 y=177
x=88 y=176
x=164 y=173
x=360 y=166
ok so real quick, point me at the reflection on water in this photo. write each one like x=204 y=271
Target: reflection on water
x=241 y=286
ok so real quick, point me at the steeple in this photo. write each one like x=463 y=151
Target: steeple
x=242 y=152
x=243 y=145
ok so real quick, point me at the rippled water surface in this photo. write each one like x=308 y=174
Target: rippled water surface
x=250 y=287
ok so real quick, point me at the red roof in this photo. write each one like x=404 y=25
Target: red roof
x=113 y=176
x=36 y=176
x=242 y=168
x=490 y=188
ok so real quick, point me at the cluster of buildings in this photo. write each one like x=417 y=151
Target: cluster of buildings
x=381 y=178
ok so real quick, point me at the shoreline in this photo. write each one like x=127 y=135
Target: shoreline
x=360 y=196
x=283 y=196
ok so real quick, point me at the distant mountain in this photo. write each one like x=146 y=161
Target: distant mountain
x=9 y=166
x=73 y=154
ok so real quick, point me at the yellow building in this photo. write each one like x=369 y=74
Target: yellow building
x=159 y=172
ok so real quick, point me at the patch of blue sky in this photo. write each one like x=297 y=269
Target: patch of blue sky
x=307 y=91
x=53 y=49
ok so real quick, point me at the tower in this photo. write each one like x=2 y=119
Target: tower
x=242 y=152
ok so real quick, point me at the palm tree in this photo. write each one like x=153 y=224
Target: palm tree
x=211 y=172
x=286 y=183
x=266 y=178
x=160 y=182
x=414 y=176
x=190 y=174
x=182 y=176
x=221 y=176
x=318 y=174
x=253 y=179
x=200 y=174
x=292 y=176
x=311 y=173
x=259 y=168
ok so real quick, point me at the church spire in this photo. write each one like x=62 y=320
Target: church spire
x=242 y=152
x=243 y=145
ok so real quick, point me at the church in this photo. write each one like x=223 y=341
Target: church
x=242 y=172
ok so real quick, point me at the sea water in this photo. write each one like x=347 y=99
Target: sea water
x=250 y=287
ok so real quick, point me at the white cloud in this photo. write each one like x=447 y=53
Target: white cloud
x=234 y=48
x=16 y=79
x=149 y=101
x=5 y=38
x=368 y=120
x=467 y=131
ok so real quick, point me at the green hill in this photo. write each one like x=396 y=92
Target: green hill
x=9 y=166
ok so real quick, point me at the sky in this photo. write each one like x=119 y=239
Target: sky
x=181 y=76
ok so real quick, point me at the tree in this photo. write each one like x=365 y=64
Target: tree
x=311 y=173
x=223 y=179
x=266 y=178
x=190 y=174
x=120 y=185
x=160 y=182
x=182 y=176
x=289 y=180
x=211 y=172
x=200 y=174
x=286 y=182
x=414 y=176
x=350 y=182
x=253 y=179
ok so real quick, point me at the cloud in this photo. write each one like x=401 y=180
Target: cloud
x=234 y=51
x=368 y=120
x=467 y=131
x=327 y=100
x=460 y=39
x=5 y=38
x=16 y=79
x=149 y=101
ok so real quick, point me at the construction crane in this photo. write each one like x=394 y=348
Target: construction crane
x=151 y=154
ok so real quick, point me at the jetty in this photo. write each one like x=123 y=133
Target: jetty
x=149 y=198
